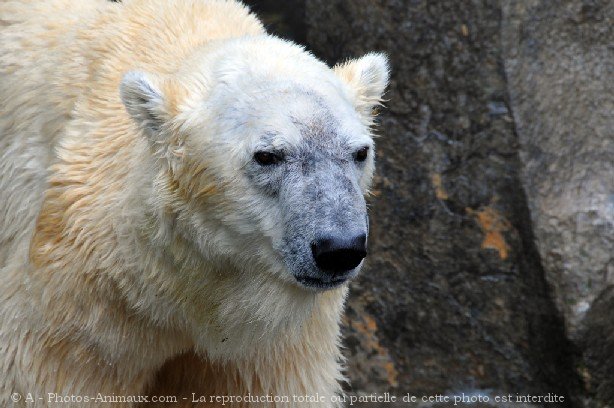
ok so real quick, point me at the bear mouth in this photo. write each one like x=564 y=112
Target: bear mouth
x=322 y=284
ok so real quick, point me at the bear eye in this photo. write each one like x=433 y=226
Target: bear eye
x=267 y=158
x=361 y=155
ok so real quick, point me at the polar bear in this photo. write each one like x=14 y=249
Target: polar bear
x=181 y=205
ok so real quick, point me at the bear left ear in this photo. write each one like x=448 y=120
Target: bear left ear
x=145 y=103
x=367 y=77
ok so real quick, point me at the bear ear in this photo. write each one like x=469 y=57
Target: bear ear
x=367 y=77
x=144 y=102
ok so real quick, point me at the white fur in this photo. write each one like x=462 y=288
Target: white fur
x=128 y=240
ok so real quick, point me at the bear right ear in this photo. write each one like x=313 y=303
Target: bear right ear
x=145 y=103
x=367 y=77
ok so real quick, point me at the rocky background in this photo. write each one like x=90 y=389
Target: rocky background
x=491 y=253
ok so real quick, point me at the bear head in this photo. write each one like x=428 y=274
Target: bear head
x=267 y=155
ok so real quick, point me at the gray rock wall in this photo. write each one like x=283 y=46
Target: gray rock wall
x=559 y=60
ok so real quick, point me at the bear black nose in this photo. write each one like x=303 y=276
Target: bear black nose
x=335 y=254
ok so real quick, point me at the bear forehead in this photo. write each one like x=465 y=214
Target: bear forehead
x=298 y=113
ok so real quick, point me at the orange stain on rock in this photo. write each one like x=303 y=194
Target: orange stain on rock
x=440 y=192
x=367 y=327
x=493 y=224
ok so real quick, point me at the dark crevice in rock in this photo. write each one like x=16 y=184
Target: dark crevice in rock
x=562 y=354
x=597 y=341
x=553 y=356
